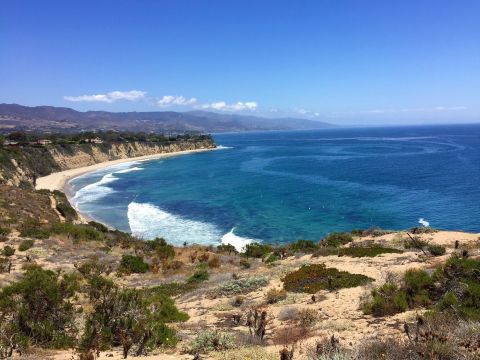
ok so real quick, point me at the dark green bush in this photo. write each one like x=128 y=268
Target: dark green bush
x=306 y=246
x=436 y=250
x=34 y=230
x=78 y=232
x=337 y=239
x=227 y=248
x=454 y=287
x=134 y=319
x=257 y=250
x=99 y=226
x=162 y=249
x=199 y=275
x=131 y=264
x=4 y=231
x=39 y=310
x=8 y=251
x=67 y=210
x=316 y=277
x=25 y=245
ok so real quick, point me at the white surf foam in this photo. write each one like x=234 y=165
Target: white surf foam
x=95 y=191
x=99 y=189
x=221 y=147
x=237 y=241
x=136 y=168
x=423 y=222
x=148 y=221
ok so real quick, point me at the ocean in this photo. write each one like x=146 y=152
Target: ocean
x=278 y=187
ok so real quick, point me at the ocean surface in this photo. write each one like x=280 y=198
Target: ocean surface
x=278 y=187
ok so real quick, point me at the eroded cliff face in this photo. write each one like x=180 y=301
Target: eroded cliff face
x=26 y=164
x=94 y=154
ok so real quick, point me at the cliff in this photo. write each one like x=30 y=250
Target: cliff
x=20 y=166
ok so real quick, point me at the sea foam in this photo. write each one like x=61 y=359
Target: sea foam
x=99 y=189
x=148 y=221
x=237 y=241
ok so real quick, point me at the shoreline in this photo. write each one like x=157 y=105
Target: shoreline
x=59 y=180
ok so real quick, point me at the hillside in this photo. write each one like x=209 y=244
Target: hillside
x=314 y=301
x=55 y=119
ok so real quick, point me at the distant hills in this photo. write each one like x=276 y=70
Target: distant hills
x=61 y=119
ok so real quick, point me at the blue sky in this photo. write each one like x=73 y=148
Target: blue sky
x=349 y=62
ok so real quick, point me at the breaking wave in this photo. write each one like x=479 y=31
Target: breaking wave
x=237 y=241
x=148 y=221
x=99 y=189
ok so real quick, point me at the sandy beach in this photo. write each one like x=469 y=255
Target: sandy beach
x=59 y=180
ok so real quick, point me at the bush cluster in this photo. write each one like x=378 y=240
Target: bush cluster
x=25 y=245
x=257 y=250
x=454 y=286
x=241 y=286
x=131 y=264
x=316 y=277
x=8 y=251
x=337 y=239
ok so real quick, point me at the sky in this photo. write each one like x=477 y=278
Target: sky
x=347 y=62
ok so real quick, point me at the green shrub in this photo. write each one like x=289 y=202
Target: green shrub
x=270 y=259
x=316 y=277
x=198 y=276
x=4 y=231
x=241 y=286
x=66 y=210
x=386 y=300
x=78 y=232
x=25 y=245
x=162 y=249
x=34 y=230
x=257 y=250
x=306 y=246
x=130 y=318
x=131 y=264
x=39 y=309
x=211 y=340
x=436 y=250
x=337 y=239
x=8 y=251
x=227 y=248
x=100 y=227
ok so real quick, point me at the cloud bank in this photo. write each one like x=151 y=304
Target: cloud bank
x=165 y=101
x=110 y=97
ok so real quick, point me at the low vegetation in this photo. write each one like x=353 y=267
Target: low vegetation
x=131 y=264
x=337 y=239
x=454 y=286
x=316 y=277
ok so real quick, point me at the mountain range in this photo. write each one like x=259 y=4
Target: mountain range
x=60 y=119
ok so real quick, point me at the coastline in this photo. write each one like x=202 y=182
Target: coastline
x=59 y=180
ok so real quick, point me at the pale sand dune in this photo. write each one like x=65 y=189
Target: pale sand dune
x=58 y=180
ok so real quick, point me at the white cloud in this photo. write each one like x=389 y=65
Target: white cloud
x=239 y=106
x=110 y=97
x=451 y=108
x=170 y=100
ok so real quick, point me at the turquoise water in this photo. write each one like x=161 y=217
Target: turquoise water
x=278 y=187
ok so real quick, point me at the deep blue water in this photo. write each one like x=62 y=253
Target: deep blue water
x=282 y=186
